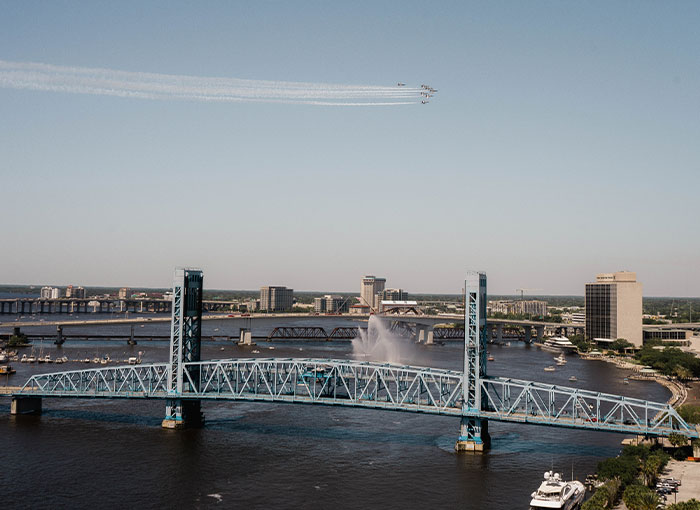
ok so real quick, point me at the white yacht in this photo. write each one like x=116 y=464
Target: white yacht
x=554 y=492
x=559 y=343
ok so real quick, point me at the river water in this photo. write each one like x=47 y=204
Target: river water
x=114 y=454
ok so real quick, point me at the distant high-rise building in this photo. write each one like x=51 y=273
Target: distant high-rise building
x=394 y=295
x=124 y=293
x=276 y=299
x=75 y=292
x=45 y=292
x=55 y=293
x=320 y=304
x=614 y=308
x=370 y=290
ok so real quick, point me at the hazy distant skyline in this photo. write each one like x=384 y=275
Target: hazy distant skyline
x=563 y=143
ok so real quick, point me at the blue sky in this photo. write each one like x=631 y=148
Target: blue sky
x=563 y=142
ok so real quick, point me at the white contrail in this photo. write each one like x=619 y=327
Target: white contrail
x=109 y=82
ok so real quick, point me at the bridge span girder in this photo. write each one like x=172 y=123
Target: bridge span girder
x=370 y=385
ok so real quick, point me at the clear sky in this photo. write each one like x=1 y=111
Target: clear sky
x=564 y=141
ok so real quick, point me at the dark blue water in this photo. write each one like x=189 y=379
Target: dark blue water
x=114 y=454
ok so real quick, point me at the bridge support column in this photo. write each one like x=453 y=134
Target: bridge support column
x=540 y=332
x=499 y=333
x=59 y=335
x=429 y=335
x=180 y=414
x=245 y=337
x=131 y=340
x=473 y=435
x=25 y=405
x=528 y=334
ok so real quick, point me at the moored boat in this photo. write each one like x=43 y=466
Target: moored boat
x=559 y=343
x=6 y=370
x=556 y=493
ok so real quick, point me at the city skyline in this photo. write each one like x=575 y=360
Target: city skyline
x=562 y=145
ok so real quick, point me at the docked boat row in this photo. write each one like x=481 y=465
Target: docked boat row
x=104 y=360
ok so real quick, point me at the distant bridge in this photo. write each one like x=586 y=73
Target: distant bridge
x=43 y=306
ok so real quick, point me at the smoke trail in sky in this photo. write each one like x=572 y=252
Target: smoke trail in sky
x=109 y=82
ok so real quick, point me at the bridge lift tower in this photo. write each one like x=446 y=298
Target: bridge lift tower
x=473 y=434
x=185 y=347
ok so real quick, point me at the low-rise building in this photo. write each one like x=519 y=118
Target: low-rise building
x=330 y=304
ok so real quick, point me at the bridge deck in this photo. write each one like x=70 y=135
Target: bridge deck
x=369 y=385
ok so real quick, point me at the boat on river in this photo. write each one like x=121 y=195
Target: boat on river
x=556 y=493
x=558 y=343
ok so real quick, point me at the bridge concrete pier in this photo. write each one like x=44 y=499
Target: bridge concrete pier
x=425 y=334
x=473 y=435
x=59 y=336
x=25 y=405
x=181 y=414
x=245 y=337
x=540 y=332
x=528 y=334
x=131 y=340
x=499 y=333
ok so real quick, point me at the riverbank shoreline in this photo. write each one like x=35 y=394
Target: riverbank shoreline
x=679 y=391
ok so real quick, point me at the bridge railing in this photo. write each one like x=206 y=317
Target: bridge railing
x=525 y=401
x=123 y=381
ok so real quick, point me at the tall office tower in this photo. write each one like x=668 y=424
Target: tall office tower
x=276 y=299
x=371 y=286
x=614 y=308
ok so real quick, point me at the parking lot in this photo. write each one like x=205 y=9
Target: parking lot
x=689 y=474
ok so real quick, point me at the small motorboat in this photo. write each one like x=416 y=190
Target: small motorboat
x=7 y=370
x=549 y=369
x=573 y=378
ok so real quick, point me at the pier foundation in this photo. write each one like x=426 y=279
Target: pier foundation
x=473 y=435
x=180 y=414
x=25 y=405
x=245 y=337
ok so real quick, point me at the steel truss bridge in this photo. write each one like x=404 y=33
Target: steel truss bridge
x=370 y=385
x=473 y=396
x=313 y=332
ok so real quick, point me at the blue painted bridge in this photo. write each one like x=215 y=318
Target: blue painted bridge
x=476 y=398
x=370 y=385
